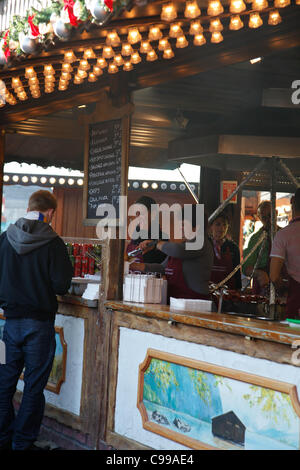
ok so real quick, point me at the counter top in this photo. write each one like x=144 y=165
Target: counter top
x=77 y=300
x=253 y=328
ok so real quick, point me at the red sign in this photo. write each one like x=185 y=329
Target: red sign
x=227 y=188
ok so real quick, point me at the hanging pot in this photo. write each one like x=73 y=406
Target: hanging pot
x=27 y=44
x=62 y=30
x=98 y=10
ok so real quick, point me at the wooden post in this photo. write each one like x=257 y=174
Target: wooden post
x=2 y=152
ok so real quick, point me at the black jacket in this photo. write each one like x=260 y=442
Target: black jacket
x=34 y=267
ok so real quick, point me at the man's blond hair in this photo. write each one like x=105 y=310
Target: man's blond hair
x=42 y=201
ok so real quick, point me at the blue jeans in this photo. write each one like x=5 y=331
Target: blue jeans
x=30 y=345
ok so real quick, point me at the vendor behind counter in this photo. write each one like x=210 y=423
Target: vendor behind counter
x=148 y=256
x=187 y=270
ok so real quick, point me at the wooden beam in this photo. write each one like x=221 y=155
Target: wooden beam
x=279 y=98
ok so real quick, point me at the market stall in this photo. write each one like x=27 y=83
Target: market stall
x=134 y=365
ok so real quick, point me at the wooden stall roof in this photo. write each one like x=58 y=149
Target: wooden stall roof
x=211 y=90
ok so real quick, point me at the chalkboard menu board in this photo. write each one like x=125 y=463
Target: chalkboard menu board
x=104 y=174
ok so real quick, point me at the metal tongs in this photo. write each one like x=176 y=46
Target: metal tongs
x=96 y=258
x=138 y=251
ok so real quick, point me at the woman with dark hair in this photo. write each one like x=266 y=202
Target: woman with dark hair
x=226 y=254
x=189 y=261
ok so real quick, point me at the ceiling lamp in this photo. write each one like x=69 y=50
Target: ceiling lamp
x=77 y=80
x=49 y=78
x=81 y=73
x=127 y=66
x=112 y=39
x=216 y=37
x=154 y=33
x=146 y=47
x=195 y=28
x=118 y=60
x=101 y=62
x=192 y=10
x=151 y=56
x=181 y=42
x=97 y=70
x=135 y=57
x=215 y=25
x=112 y=68
x=33 y=81
x=255 y=20
x=126 y=49
x=175 y=30
x=168 y=53
x=134 y=36
x=49 y=70
x=69 y=57
x=237 y=6
x=281 y=3
x=214 y=8
x=84 y=65
x=235 y=23
x=67 y=68
x=30 y=72
x=168 y=12
x=199 y=40
x=259 y=5
x=16 y=82
x=89 y=54
x=163 y=44
x=65 y=76
x=274 y=18
x=108 y=52
x=92 y=77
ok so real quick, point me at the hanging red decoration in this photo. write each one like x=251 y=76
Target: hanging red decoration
x=6 y=49
x=69 y=6
x=34 y=29
x=109 y=4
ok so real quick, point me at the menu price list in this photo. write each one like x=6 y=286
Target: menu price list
x=104 y=166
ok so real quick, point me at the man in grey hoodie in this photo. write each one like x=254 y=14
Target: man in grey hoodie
x=34 y=268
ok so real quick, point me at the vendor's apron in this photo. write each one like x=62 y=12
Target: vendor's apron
x=221 y=268
x=176 y=283
x=293 y=299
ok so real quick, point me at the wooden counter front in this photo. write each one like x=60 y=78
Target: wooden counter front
x=247 y=327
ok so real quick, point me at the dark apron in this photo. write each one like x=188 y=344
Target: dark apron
x=177 y=286
x=293 y=299
x=221 y=268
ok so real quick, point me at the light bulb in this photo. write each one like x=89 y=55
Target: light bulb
x=84 y=65
x=101 y=62
x=112 y=38
x=135 y=58
x=255 y=20
x=191 y=9
x=281 y=3
x=66 y=68
x=181 y=42
x=235 y=23
x=108 y=52
x=126 y=49
x=274 y=18
x=175 y=31
x=216 y=37
x=134 y=36
x=118 y=60
x=145 y=47
x=215 y=25
x=163 y=44
x=97 y=70
x=168 y=53
x=195 y=28
x=127 y=66
x=151 y=56
x=237 y=6
x=154 y=33
x=214 y=8
x=49 y=70
x=112 y=68
x=69 y=57
x=89 y=54
x=30 y=72
x=168 y=12
x=259 y=5
x=199 y=40
x=92 y=77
